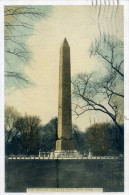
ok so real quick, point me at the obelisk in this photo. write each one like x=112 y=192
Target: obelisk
x=64 y=133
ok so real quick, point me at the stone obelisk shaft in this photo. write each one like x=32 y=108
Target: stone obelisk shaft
x=64 y=141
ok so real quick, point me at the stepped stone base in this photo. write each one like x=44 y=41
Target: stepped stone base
x=64 y=145
x=65 y=154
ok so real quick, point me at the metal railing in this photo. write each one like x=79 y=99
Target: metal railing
x=14 y=157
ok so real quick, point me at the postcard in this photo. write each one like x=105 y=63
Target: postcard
x=64 y=96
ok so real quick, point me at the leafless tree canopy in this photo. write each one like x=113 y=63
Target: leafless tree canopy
x=102 y=93
x=18 y=27
x=110 y=50
x=11 y=115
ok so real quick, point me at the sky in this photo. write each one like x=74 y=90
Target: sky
x=80 y=25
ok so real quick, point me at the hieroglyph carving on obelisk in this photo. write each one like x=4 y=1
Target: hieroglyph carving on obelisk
x=64 y=141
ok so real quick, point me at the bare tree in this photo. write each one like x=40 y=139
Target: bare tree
x=19 y=25
x=110 y=50
x=11 y=116
x=104 y=93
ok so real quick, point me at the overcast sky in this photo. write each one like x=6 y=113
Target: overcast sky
x=79 y=24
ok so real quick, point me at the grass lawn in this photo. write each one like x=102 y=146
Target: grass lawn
x=106 y=174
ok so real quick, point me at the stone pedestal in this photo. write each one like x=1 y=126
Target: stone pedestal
x=65 y=154
x=64 y=145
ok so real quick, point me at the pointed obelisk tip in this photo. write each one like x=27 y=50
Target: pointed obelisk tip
x=65 y=40
x=65 y=43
